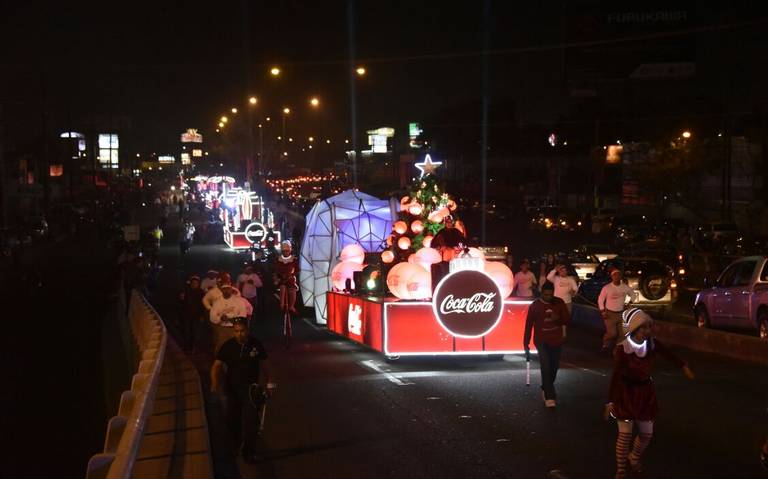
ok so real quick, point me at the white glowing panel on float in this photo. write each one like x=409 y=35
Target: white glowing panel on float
x=351 y=217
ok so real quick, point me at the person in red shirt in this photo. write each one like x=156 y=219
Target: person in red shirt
x=632 y=395
x=546 y=318
x=286 y=268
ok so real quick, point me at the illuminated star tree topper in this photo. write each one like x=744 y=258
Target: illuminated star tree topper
x=428 y=167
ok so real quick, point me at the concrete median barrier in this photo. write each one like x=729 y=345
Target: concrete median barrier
x=730 y=345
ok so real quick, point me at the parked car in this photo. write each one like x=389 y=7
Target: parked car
x=601 y=251
x=584 y=264
x=718 y=230
x=652 y=279
x=738 y=299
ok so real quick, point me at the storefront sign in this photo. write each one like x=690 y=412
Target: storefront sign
x=255 y=232
x=468 y=304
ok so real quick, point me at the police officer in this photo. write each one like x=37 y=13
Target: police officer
x=242 y=359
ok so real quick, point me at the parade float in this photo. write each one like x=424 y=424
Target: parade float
x=421 y=291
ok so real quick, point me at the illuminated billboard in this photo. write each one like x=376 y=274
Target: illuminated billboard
x=166 y=159
x=377 y=139
x=197 y=153
x=185 y=159
x=191 y=136
x=108 y=150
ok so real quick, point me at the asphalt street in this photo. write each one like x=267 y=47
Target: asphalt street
x=341 y=410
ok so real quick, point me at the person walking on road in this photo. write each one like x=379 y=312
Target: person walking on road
x=192 y=311
x=565 y=286
x=186 y=238
x=216 y=293
x=157 y=235
x=632 y=395
x=525 y=281
x=249 y=283
x=546 y=317
x=611 y=303
x=244 y=362
x=229 y=305
x=209 y=282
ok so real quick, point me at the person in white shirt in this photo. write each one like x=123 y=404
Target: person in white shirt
x=215 y=294
x=565 y=286
x=209 y=282
x=249 y=283
x=227 y=307
x=525 y=280
x=611 y=302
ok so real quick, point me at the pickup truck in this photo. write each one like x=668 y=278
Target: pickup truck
x=738 y=299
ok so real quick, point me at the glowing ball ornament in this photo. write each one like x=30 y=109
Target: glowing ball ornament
x=502 y=275
x=428 y=255
x=400 y=227
x=417 y=227
x=427 y=241
x=354 y=253
x=404 y=242
x=343 y=271
x=418 y=283
x=387 y=256
x=397 y=279
x=415 y=209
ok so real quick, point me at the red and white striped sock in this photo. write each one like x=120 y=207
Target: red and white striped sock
x=641 y=442
x=622 y=451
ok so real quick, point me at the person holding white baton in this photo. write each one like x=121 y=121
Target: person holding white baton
x=244 y=361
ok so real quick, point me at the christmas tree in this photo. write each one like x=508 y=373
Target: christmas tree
x=421 y=217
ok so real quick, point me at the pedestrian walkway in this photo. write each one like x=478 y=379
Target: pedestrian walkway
x=175 y=441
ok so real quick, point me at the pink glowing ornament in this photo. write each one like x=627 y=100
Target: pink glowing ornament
x=427 y=241
x=502 y=275
x=397 y=279
x=400 y=227
x=415 y=209
x=343 y=271
x=418 y=283
x=425 y=258
x=417 y=227
x=404 y=242
x=387 y=256
x=354 y=253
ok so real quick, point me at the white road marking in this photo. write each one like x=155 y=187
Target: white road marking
x=313 y=325
x=586 y=370
x=390 y=377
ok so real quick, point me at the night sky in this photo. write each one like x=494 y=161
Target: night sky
x=170 y=66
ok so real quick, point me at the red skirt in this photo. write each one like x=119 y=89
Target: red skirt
x=635 y=401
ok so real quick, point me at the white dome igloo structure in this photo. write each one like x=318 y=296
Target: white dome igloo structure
x=347 y=218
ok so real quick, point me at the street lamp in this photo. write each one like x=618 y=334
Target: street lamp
x=224 y=119
x=314 y=102
x=686 y=134
x=233 y=110
x=253 y=100
x=221 y=124
x=286 y=110
x=274 y=71
x=360 y=71
x=311 y=139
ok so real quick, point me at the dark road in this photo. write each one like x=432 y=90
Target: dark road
x=341 y=410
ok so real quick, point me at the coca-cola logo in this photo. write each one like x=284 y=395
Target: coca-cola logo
x=468 y=304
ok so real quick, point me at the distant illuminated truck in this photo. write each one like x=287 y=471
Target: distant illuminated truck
x=246 y=221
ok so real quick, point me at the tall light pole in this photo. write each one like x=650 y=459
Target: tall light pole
x=286 y=112
x=351 y=39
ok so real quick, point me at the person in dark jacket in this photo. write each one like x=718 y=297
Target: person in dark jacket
x=632 y=395
x=546 y=317
x=192 y=311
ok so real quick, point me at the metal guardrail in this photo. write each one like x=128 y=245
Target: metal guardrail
x=125 y=431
